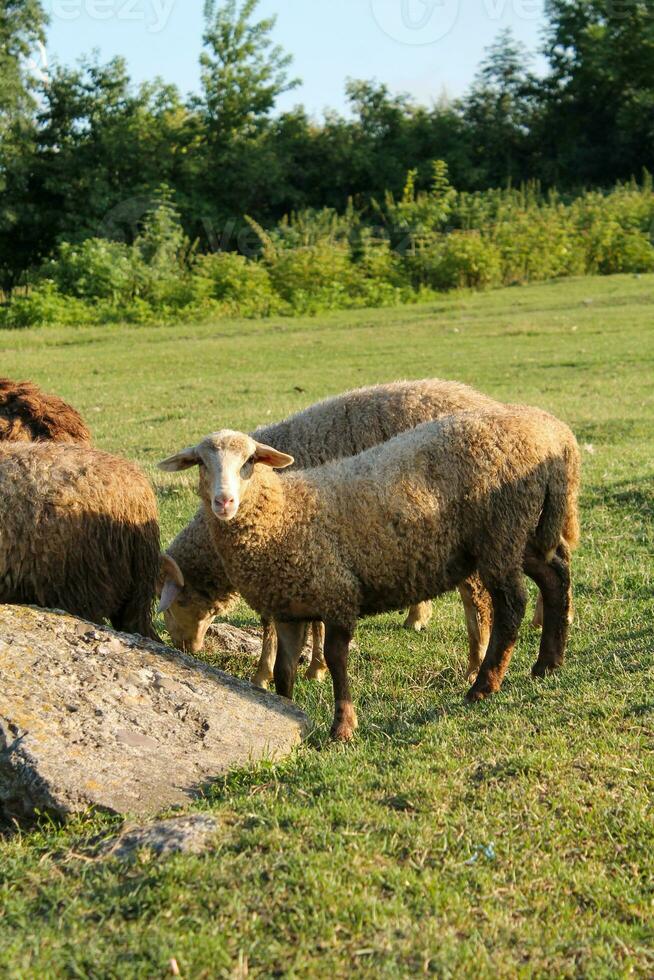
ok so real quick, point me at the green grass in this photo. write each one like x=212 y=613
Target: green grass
x=373 y=860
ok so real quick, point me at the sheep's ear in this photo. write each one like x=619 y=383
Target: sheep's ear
x=171 y=582
x=271 y=457
x=180 y=461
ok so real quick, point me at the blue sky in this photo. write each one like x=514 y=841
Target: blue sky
x=423 y=47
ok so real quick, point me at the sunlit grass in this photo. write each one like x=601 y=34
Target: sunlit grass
x=512 y=838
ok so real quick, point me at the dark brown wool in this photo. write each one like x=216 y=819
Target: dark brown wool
x=28 y=414
x=79 y=532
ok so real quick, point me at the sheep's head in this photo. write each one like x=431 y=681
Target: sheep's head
x=187 y=612
x=227 y=462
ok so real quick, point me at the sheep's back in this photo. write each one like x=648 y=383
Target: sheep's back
x=29 y=414
x=348 y=424
x=78 y=529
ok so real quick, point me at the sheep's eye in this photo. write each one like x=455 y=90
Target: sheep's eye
x=252 y=460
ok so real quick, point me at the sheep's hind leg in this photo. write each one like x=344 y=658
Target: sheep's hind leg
x=509 y=600
x=537 y=622
x=290 y=640
x=553 y=580
x=317 y=669
x=419 y=616
x=479 y=622
x=337 y=645
x=264 y=672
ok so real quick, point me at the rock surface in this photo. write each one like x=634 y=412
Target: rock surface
x=223 y=638
x=192 y=834
x=92 y=717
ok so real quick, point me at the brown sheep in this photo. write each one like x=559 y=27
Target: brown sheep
x=28 y=414
x=486 y=492
x=79 y=532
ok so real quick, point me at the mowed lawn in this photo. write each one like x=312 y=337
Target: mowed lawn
x=511 y=838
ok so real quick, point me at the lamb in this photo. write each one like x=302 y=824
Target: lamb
x=331 y=429
x=492 y=492
x=78 y=531
x=28 y=414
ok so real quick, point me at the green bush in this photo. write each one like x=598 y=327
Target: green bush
x=96 y=269
x=455 y=261
x=313 y=261
x=313 y=278
x=240 y=286
x=44 y=304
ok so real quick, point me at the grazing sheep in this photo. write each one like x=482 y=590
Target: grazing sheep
x=331 y=429
x=78 y=531
x=492 y=492
x=28 y=414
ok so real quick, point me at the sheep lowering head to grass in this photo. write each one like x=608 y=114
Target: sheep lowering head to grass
x=486 y=492
x=79 y=532
x=28 y=414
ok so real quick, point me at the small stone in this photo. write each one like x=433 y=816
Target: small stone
x=191 y=834
x=223 y=638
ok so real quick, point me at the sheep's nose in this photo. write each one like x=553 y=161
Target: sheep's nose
x=222 y=504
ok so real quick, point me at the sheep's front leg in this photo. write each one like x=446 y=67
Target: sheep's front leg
x=418 y=616
x=553 y=580
x=264 y=672
x=317 y=669
x=509 y=600
x=290 y=641
x=337 y=646
x=478 y=609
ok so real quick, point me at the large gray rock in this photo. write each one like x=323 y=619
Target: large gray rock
x=92 y=717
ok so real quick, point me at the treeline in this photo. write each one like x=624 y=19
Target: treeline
x=83 y=150
x=423 y=242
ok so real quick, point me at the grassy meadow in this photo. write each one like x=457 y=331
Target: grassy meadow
x=511 y=838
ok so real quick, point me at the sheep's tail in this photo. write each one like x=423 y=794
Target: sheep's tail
x=571 y=529
x=559 y=519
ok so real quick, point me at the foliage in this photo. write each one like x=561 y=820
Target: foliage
x=316 y=260
x=241 y=287
x=461 y=259
x=243 y=73
x=96 y=269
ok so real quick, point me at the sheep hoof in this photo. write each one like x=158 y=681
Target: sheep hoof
x=471 y=676
x=342 y=732
x=477 y=694
x=345 y=723
x=261 y=682
x=316 y=674
x=542 y=668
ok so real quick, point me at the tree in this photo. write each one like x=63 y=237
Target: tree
x=22 y=27
x=499 y=111
x=243 y=72
x=599 y=119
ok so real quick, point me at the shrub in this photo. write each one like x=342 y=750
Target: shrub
x=318 y=277
x=44 y=304
x=242 y=287
x=96 y=269
x=460 y=259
